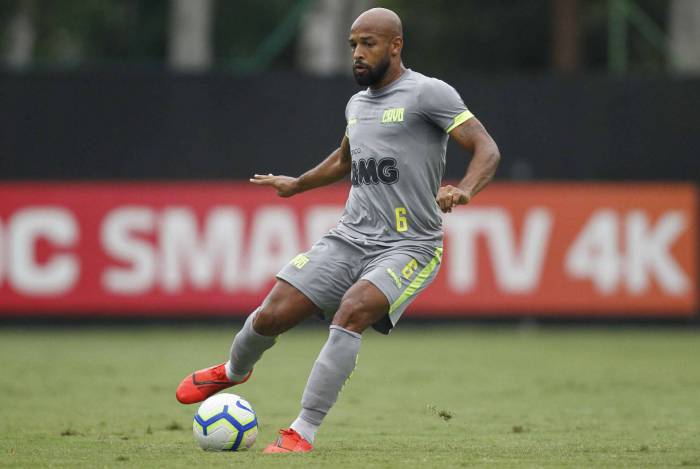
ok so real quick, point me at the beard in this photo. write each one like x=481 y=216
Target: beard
x=373 y=75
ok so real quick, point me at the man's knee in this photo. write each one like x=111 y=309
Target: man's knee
x=284 y=307
x=354 y=315
x=266 y=322
x=277 y=315
x=363 y=305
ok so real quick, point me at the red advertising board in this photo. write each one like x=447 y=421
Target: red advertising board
x=166 y=249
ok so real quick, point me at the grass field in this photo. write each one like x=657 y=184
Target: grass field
x=423 y=397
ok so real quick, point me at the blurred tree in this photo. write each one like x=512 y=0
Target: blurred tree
x=442 y=36
x=448 y=36
x=566 y=35
x=21 y=35
x=71 y=32
x=643 y=56
x=242 y=26
x=685 y=36
x=322 y=47
x=190 y=34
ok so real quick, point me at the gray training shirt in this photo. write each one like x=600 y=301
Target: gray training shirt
x=398 y=139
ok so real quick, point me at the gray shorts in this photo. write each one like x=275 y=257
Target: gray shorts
x=336 y=262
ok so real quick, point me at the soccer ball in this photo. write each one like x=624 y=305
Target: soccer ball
x=225 y=422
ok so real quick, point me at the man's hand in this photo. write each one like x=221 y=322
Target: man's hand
x=449 y=196
x=284 y=185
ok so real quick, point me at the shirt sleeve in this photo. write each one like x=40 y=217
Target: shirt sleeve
x=442 y=105
x=349 y=120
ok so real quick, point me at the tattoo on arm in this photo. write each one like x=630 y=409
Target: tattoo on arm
x=468 y=133
x=473 y=137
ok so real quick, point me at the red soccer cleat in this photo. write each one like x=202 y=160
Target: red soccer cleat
x=204 y=383
x=289 y=441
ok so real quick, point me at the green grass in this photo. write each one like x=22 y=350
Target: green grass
x=425 y=396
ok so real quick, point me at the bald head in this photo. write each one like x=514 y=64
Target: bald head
x=379 y=21
x=376 y=39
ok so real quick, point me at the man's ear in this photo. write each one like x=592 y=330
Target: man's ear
x=396 y=45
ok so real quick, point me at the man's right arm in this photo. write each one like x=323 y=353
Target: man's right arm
x=334 y=168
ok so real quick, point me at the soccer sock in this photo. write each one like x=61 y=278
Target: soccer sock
x=333 y=367
x=246 y=349
x=305 y=429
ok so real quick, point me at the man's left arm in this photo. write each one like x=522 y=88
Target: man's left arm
x=472 y=136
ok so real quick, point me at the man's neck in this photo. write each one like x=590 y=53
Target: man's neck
x=393 y=74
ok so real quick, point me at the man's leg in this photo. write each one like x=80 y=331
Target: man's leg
x=363 y=305
x=284 y=308
x=388 y=284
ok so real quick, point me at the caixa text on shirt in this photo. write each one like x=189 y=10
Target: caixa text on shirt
x=370 y=171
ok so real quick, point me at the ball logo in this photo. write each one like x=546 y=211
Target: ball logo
x=370 y=171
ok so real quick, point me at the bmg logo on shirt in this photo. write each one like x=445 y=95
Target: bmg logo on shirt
x=370 y=171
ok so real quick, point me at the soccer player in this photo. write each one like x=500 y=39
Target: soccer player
x=387 y=245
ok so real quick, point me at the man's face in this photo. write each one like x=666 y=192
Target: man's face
x=370 y=57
